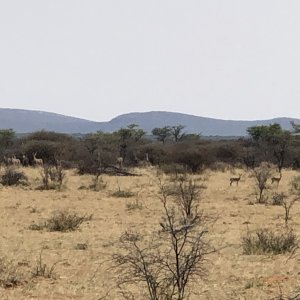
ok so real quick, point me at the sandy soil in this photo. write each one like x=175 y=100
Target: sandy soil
x=84 y=274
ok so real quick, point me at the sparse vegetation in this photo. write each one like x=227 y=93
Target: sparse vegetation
x=278 y=198
x=52 y=177
x=42 y=269
x=122 y=194
x=62 y=221
x=134 y=205
x=12 y=177
x=147 y=257
x=9 y=275
x=261 y=175
x=174 y=257
x=264 y=241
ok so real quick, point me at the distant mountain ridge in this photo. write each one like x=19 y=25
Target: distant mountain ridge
x=25 y=121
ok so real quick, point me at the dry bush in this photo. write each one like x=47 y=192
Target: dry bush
x=264 y=241
x=220 y=166
x=261 y=175
x=13 y=177
x=62 y=221
x=122 y=194
x=42 y=269
x=98 y=183
x=134 y=205
x=278 y=198
x=173 y=169
x=9 y=275
x=52 y=177
x=166 y=262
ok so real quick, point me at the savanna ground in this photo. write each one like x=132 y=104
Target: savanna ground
x=81 y=257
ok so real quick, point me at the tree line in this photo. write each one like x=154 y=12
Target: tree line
x=168 y=147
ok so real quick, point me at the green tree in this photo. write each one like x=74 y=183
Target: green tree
x=7 y=137
x=129 y=136
x=177 y=133
x=271 y=140
x=162 y=134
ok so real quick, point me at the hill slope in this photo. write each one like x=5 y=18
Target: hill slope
x=24 y=121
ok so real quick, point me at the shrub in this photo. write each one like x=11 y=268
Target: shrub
x=52 y=177
x=66 y=221
x=278 y=199
x=264 y=241
x=98 y=183
x=167 y=261
x=261 y=175
x=173 y=168
x=42 y=269
x=62 y=221
x=122 y=194
x=9 y=276
x=13 y=177
x=81 y=246
x=134 y=205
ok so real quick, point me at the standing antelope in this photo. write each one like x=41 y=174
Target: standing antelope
x=37 y=161
x=120 y=162
x=7 y=160
x=15 y=161
x=25 y=160
x=235 y=179
x=276 y=179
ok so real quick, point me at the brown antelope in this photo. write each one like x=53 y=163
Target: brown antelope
x=37 y=161
x=15 y=161
x=276 y=179
x=235 y=179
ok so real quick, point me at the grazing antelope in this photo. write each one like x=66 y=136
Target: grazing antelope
x=120 y=162
x=276 y=179
x=37 y=161
x=235 y=179
x=15 y=161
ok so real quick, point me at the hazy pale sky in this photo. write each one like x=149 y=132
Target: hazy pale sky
x=96 y=59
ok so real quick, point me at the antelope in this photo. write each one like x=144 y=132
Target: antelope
x=120 y=162
x=25 y=160
x=15 y=161
x=276 y=179
x=7 y=160
x=37 y=161
x=235 y=179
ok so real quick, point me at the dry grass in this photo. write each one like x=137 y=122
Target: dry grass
x=85 y=274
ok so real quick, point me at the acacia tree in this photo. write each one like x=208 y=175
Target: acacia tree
x=271 y=141
x=177 y=133
x=172 y=258
x=162 y=134
x=129 y=136
x=7 y=137
x=261 y=175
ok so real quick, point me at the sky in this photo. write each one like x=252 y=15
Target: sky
x=96 y=59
